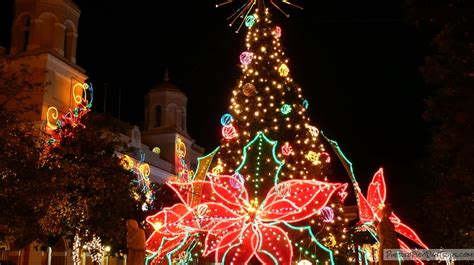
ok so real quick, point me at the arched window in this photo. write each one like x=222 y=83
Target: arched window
x=26 y=33
x=183 y=120
x=158 y=116
x=69 y=40
x=67 y=49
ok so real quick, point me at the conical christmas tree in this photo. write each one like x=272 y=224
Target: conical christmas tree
x=267 y=100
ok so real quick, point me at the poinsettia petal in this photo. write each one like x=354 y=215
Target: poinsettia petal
x=230 y=229
x=167 y=219
x=275 y=246
x=186 y=190
x=366 y=214
x=376 y=193
x=153 y=243
x=232 y=184
x=298 y=191
x=205 y=215
x=307 y=197
x=240 y=249
x=407 y=232
x=161 y=244
x=394 y=218
x=406 y=249
x=279 y=209
x=206 y=191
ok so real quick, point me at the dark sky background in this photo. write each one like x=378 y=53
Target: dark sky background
x=357 y=62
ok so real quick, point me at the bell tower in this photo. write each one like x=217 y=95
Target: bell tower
x=44 y=37
x=42 y=26
x=165 y=107
x=165 y=126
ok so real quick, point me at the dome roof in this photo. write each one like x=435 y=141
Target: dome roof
x=166 y=85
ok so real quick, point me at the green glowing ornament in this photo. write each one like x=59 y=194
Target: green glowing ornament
x=285 y=109
x=249 y=21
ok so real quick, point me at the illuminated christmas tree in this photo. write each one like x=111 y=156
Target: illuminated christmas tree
x=263 y=196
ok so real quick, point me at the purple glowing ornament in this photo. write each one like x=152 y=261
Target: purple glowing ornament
x=327 y=214
x=246 y=58
x=237 y=181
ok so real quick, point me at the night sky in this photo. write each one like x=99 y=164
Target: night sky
x=357 y=62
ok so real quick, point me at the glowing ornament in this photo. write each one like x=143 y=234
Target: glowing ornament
x=277 y=32
x=330 y=241
x=249 y=90
x=226 y=119
x=284 y=70
x=327 y=156
x=286 y=149
x=285 y=109
x=305 y=104
x=327 y=214
x=229 y=132
x=156 y=150
x=217 y=170
x=249 y=21
x=313 y=157
x=237 y=181
x=312 y=130
x=246 y=58
x=304 y=262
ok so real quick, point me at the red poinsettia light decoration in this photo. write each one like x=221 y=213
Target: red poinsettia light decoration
x=238 y=228
x=370 y=209
x=168 y=233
